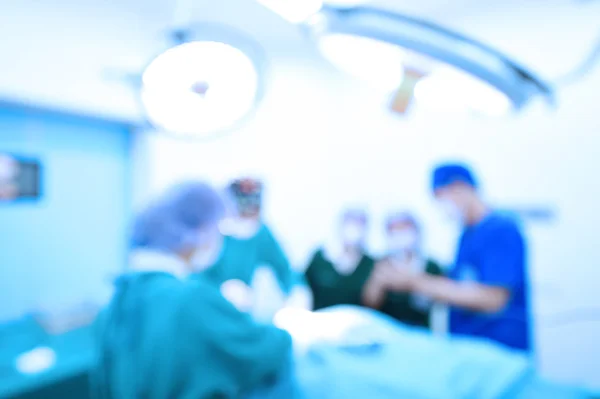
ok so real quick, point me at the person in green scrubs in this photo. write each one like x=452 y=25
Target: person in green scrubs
x=251 y=266
x=164 y=335
x=240 y=257
x=337 y=272
x=403 y=251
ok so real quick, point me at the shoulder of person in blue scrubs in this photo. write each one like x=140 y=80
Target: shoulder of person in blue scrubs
x=166 y=336
x=487 y=288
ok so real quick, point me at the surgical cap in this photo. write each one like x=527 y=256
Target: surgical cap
x=397 y=218
x=246 y=193
x=446 y=174
x=358 y=215
x=178 y=219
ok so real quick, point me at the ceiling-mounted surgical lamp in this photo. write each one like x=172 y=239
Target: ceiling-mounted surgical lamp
x=209 y=81
x=420 y=60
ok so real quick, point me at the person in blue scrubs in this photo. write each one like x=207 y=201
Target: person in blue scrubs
x=248 y=241
x=487 y=288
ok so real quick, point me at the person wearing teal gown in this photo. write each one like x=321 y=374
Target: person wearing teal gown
x=164 y=335
x=241 y=256
x=252 y=265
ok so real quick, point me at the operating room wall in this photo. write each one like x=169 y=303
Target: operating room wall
x=61 y=250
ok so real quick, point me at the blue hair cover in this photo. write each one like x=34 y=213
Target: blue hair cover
x=449 y=173
x=178 y=218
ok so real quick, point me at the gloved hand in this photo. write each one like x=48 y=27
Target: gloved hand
x=300 y=324
x=300 y=297
x=239 y=294
x=36 y=360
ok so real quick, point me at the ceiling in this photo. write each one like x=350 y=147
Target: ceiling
x=62 y=52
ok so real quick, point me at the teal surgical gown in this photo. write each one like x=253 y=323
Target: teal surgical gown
x=162 y=337
x=241 y=257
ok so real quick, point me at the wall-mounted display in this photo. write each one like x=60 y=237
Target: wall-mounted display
x=20 y=178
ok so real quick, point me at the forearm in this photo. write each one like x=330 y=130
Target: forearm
x=373 y=294
x=300 y=297
x=284 y=274
x=470 y=296
x=280 y=263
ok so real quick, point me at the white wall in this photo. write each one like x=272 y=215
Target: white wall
x=322 y=141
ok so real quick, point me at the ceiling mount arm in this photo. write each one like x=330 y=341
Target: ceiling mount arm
x=478 y=60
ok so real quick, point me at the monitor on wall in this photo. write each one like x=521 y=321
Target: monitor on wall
x=20 y=178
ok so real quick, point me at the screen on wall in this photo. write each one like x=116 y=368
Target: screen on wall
x=19 y=178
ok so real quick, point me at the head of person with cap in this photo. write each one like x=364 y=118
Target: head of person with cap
x=353 y=230
x=403 y=236
x=178 y=225
x=245 y=197
x=456 y=190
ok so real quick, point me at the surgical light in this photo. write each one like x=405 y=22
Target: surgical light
x=346 y=3
x=451 y=90
x=448 y=71
x=376 y=62
x=294 y=11
x=204 y=84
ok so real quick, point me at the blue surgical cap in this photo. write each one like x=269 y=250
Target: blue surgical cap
x=446 y=174
x=177 y=219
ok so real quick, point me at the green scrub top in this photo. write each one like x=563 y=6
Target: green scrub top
x=163 y=337
x=241 y=257
x=331 y=288
x=403 y=306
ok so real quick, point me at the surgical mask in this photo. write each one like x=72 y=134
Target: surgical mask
x=208 y=256
x=246 y=228
x=241 y=228
x=451 y=210
x=353 y=233
x=406 y=240
x=346 y=264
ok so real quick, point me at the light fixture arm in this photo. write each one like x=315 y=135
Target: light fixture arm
x=429 y=39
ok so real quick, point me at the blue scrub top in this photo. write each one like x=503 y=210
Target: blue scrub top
x=493 y=253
